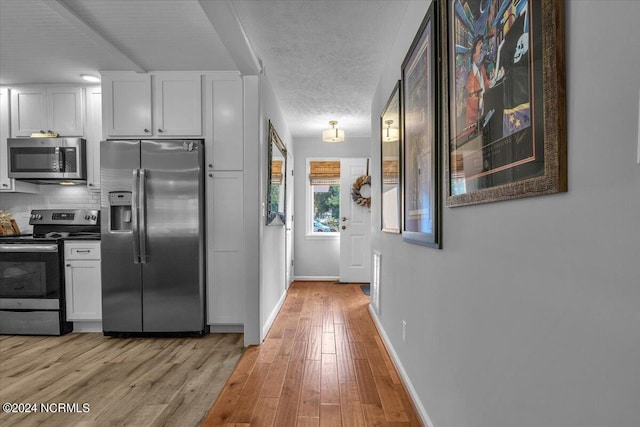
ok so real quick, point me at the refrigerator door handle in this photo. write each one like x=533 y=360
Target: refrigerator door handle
x=135 y=215
x=143 y=216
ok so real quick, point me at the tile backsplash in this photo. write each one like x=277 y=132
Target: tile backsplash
x=49 y=197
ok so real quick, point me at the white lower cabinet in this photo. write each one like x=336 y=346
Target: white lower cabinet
x=82 y=280
x=226 y=259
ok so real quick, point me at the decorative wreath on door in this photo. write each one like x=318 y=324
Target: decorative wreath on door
x=356 y=196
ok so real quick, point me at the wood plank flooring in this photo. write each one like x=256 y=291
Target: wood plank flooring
x=323 y=363
x=126 y=382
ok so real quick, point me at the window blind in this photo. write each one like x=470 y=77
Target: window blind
x=276 y=172
x=324 y=172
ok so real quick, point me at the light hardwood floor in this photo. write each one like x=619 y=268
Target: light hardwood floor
x=133 y=382
x=323 y=363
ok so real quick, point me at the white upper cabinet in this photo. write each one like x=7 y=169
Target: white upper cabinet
x=93 y=136
x=9 y=184
x=36 y=109
x=178 y=104
x=227 y=131
x=128 y=110
x=126 y=104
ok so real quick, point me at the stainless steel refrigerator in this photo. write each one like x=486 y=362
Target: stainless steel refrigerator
x=152 y=202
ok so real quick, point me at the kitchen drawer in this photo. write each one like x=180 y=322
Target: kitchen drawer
x=81 y=250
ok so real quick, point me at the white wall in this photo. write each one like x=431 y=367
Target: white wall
x=529 y=315
x=318 y=257
x=272 y=243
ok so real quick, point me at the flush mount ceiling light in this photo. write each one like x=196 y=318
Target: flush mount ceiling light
x=389 y=134
x=90 y=78
x=333 y=135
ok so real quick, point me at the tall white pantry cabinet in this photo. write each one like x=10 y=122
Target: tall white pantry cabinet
x=206 y=105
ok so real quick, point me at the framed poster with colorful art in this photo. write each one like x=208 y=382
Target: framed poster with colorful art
x=421 y=138
x=504 y=72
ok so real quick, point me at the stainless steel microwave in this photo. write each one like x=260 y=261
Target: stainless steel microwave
x=47 y=158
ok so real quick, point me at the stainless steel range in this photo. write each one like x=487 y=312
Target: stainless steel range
x=32 y=273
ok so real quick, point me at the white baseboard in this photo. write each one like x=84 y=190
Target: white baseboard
x=316 y=278
x=227 y=329
x=403 y=374
x=87 y=326
x=272 y=316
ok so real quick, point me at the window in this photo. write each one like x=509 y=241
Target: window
x=324 y=197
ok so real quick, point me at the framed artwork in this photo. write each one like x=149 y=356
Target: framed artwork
x=276 y=179
x=504 y=72
x=421 y=169
x=390 y=162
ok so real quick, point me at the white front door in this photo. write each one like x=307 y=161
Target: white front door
x=355 y=225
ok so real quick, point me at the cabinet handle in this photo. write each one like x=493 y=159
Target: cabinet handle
x=90 y=185
x=41 y=131
x=83 y=251
x=146 y=130
x=160 y=130
x=5 y=185
x=68 y=265
x=49 y=131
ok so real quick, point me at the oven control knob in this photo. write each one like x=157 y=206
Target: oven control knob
x=87 y=217
x=93 y=217
x=38 y=216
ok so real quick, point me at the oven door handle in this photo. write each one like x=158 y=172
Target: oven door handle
x=28 y=247
x=135 y=214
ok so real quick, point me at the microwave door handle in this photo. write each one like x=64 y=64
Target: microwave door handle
x=60 y=155
x=134 y=219
x=143 y=216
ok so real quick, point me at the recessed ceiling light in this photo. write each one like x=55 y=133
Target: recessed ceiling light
x=90 y=78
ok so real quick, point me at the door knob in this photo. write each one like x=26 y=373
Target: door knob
x=344 y=218
x=344 y=227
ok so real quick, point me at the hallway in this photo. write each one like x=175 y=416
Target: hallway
x=323 y=363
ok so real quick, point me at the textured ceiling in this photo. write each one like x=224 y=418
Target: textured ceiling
x=323 y=58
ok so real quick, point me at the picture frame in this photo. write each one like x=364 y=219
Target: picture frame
x=504 y=82
x=390 y=142
x=276 y=207
x=421 y=154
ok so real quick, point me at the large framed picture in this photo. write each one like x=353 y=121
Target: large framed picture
x=504 y=70
x=390 y=163
x=421 y=138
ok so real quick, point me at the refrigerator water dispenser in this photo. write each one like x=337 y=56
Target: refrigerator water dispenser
x=120 y=206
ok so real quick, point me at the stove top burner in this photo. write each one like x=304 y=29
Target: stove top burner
x=53 y=225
